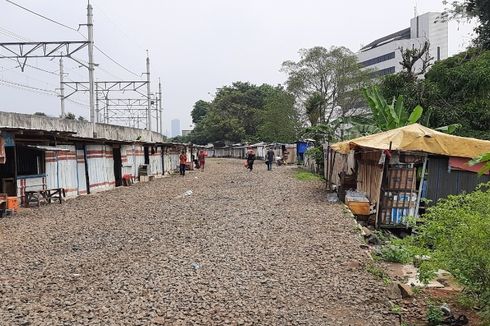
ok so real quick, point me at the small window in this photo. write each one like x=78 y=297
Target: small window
x=30 y=161
x=438 y=53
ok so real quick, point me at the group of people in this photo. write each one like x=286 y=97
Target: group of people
x=269 y=159
x=201 y=160
x=249 y=163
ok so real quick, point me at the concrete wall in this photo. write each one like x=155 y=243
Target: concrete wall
x=78 y=128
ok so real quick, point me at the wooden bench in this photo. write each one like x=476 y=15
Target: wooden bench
x=45 y=195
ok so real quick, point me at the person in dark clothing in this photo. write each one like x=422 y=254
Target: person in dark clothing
x=269 y=158
x=250 y=158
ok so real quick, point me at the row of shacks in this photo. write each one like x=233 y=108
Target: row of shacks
x=391 y=176
x=289 y=153
x=38 y=153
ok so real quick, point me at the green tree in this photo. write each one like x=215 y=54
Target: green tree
x=479 y=9
x=327 y=83
x=246 y=112
x=279 y=120
x=455 y=91
x=199 y=111
x=459 y=92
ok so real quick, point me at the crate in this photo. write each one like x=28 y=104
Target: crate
x=359 y=208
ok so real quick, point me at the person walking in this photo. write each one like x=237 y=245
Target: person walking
x=250 y=158
x=202 y=159
x=269 y=158
x=183 y=161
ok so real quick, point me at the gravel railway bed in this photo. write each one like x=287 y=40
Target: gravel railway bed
x=259 y=248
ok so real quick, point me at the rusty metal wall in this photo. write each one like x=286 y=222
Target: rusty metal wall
x=82 y=178
x=62 y=170
x=100 y=167
x=443 y=182
x=156 y=162
x=30 y=183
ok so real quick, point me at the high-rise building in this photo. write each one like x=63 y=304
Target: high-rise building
x=384 y=55
x=175 y=126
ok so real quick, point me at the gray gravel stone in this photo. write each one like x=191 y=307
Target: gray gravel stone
x=271 y=251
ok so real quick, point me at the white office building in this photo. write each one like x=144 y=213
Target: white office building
x=384 y=55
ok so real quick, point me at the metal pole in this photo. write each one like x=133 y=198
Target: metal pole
x=157 y=113
x=148 y=123
x=160 y=105
x=106 y=117
x=90 y=28
x=97 y=109
x=62 y=88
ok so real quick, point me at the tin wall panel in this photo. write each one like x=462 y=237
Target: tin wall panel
x=100 y=167
x=82 y=178
x=443 y=181
x=61 y=170
x=30 y=183
x=156 y=162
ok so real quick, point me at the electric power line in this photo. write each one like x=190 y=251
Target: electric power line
x=42 y=16
x=117 y=63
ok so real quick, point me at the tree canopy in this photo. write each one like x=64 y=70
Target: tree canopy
x=455 y=91
x=327 y=83
x=244 y=112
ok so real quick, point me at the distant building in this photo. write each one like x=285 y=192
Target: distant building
x=185 y=132
x=384 y=54
x=175 y=126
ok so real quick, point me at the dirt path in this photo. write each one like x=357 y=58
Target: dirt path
x=245 y=248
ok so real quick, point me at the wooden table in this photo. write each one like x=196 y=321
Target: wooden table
x=45 y=195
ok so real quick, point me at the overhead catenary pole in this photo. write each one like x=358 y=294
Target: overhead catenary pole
x=160 y=105
x=157 y=113
x=62 y=89
x=148 y=123
x=106 y=113
x=90 y=28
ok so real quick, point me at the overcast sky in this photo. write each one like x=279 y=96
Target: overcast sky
x=195 y=46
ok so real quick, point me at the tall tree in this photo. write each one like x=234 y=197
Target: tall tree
x=279 y=120
x=199 y=110
x=244 y=112
x=330 y=79
x=479 y=9
x=455 y=91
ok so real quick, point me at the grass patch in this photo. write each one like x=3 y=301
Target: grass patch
x=304 y=175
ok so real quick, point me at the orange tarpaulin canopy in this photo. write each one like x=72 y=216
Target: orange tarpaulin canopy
x=417 y=138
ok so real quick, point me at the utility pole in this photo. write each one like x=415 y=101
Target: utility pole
x=90 y=28
x=106 y=115
x=97 y=109
x=62 y=89
x=160 y=105
x=148 y=123
x=157 y=114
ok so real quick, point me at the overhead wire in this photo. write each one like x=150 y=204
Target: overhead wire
x=9 y=33
x=42 y=16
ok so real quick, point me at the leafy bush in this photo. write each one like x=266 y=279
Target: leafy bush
x=434 y=315
x=316 y=153
x=456 y=235
x=395 y=254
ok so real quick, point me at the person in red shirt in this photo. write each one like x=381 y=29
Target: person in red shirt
x=202 y=159
x=183 y=161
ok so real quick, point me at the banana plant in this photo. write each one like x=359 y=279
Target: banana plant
x=390 y=116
